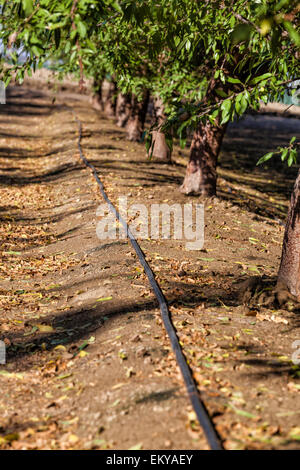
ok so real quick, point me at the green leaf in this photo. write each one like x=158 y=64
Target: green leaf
x=233 y=80
x=284 y=154
x=260 y=78
x=241 y=33
x=117 y=7
x=226 y=110
x=27 y=6
x=104 y=299
x=292 y=157
x=188 y=45
x=81 y=28
x=241 y=103
x=242 y=412
x=221 y=93
x=83 y=345
x=37 y=51
x=138 y=446
x=226 y=106
x=265 y=158
x=63 y=376
x=294 y=35
x=182 y=142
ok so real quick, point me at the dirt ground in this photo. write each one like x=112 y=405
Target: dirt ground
x=89 y=365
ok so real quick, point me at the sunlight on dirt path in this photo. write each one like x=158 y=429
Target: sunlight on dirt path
x=89 y=364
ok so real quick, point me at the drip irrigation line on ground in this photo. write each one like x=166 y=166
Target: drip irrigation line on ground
x=198 y=405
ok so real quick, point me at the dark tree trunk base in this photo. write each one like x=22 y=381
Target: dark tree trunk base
x=201 y=172
x=96 y=102
x=260 y=292
x=123 y=109
x=193 y=183
x=134 y=134
x=136 y=120
x=160 y=149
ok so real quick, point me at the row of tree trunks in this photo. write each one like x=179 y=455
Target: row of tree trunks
x=201 y=172
x=104 y=97
x=201 y=175
x=127 y=109
x=130 y=112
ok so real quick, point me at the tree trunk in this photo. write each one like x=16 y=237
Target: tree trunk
x=123 y=109
x=201 y=172
x=289 y=271
x=109 y=90
x=160 y=149
x=96 y=100
x=136 y=121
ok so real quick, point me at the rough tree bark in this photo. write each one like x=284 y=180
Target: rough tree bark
x=160 y=149
x=289 y=271
x=123 y=109
x=201 y=172
x=136 y=120
x=109 y=90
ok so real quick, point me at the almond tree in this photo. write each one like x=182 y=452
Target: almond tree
x=208 y=62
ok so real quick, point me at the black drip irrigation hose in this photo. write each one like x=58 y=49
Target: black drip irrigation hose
x=199 y=407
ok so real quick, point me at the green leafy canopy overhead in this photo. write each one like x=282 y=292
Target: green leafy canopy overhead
x=205 y=59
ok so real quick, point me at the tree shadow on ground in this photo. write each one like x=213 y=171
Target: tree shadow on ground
x=41 y=220
x=158 y=397
x=51 y=175
x=75 y=324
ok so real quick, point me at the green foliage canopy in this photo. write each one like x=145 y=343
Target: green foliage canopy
x=205 y=59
